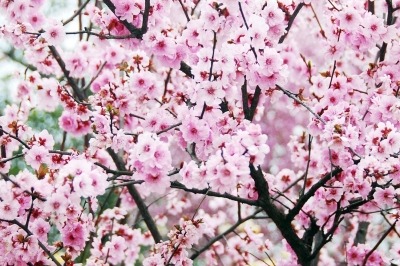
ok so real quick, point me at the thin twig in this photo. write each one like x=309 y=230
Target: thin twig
x=288 y=93
x=184 y=11
x=148 y=219
x=169 y=128
x=77 y=12
x=177 y=185
x=378 y=243
x=78 y=92
x=222 y=235
x=95 y=76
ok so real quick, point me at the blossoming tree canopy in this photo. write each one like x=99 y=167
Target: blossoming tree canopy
x=201 y=132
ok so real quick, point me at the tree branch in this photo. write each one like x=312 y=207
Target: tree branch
x=302 y=200
x=284 y=225
x=378 y=243
x=148 y=219
x=220 y=236
x=78 y=92
x=41 y=245
x=176 y=184
x=291 y=20
x=77 y=12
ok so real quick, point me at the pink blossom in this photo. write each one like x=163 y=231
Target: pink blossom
x=68 y=122
x=9 y=210
x=74 y=235
x=40 y=228
x=36 y=156
x=54 y=34
x=126 y=9
x=194 y=130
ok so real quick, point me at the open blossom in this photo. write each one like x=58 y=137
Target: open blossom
x=9 y=209
x=74 y=235
x=126 y=9
x=37 y=155
x=54 y=34
x=277 y=122
x=194 y=129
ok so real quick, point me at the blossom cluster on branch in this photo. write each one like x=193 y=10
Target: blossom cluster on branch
x=229 y=132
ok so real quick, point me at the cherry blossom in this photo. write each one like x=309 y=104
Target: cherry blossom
x=200 y=132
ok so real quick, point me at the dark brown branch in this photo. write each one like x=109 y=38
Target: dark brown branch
x=284 y=225
x=184 y=10
x=148 y=219
x=145 y=19
x=114 y=172
x=302 y=200
x=245 y=99
x=290 y=23
x=176 y=184
x=78 y=92
x=185 y=68
x=136 y=33
x=15 y=137
x=371 y=6
x=11 y=158
x=169 y=128
x=389 y=21
x=254 y=102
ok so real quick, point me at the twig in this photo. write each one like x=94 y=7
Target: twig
x=333 y=73
x=132 y=182
x=77 y=12
x=378 y=243
x=300 y=102
x=291 y=20
x=212 y=56
x=222 y=235
x=302 y=200
x=15 y=137
x=177 y=185
x=169 y=128
x=184 y=11
x=319 y=23
x=12 y=158
x=96 y=76
x=78 y=92
x=308 y=165
x=148 y=219
x=247 y=27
